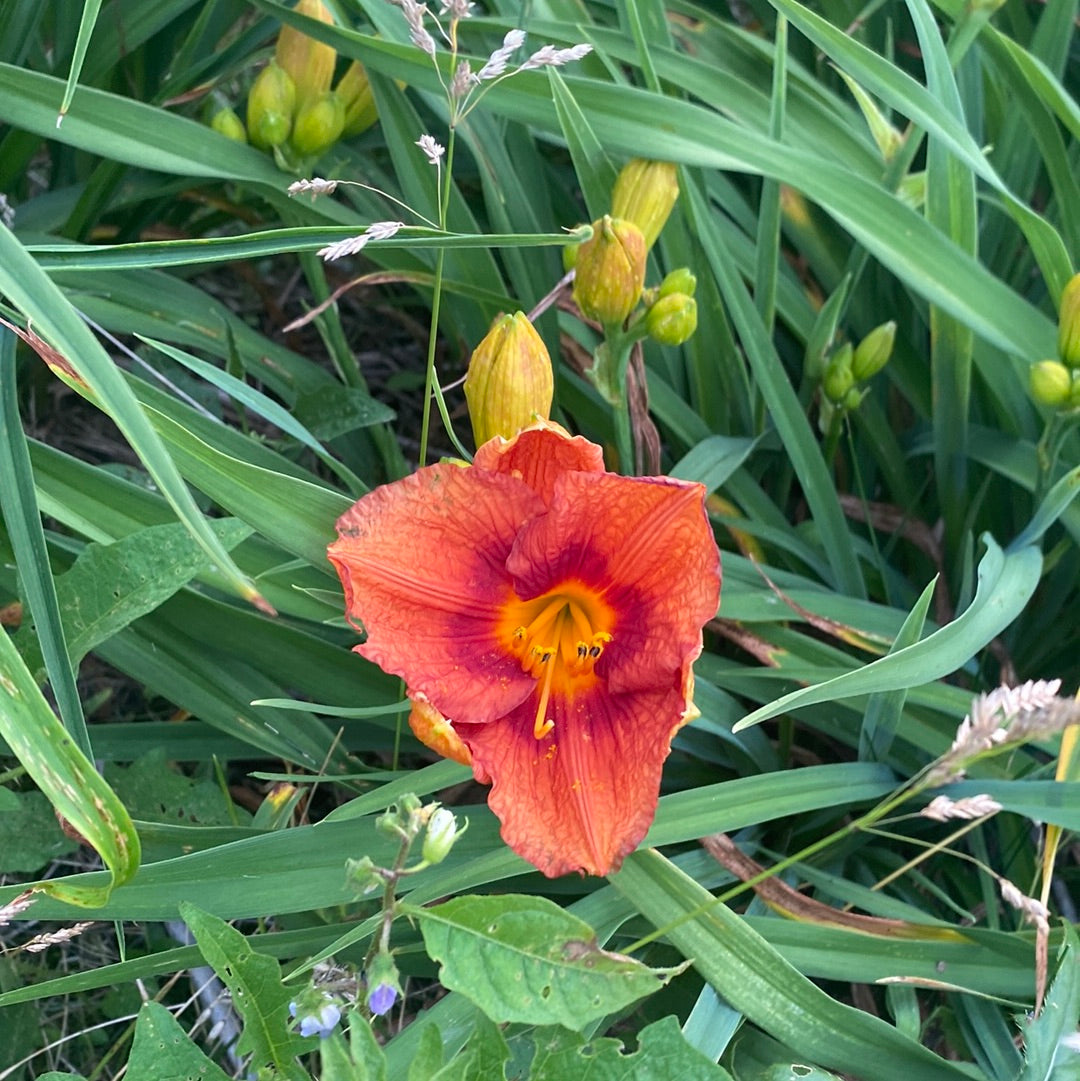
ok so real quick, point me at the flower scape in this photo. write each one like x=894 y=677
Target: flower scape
x=545 y=615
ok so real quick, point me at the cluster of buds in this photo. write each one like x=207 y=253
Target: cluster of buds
x=510 y=383
x=406 y=822
x=609 y=268
x=1056 y=383
x=849 y=368
x=291 y=110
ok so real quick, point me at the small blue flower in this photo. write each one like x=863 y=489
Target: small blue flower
x=382 y=998
x=320 y=1022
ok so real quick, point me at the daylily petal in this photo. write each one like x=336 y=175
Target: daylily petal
x=422 y=561
x=645 y=545
x=433 y=730
x=583 y=797
x=538 y=455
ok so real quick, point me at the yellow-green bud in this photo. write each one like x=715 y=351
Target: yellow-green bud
x=354 y=89
x=441 y=834
x=319 y=123
x=1050 y=383
x=873 y=352
x=838 y=378
x=672 y=319
x=645 y=192
x=226 y=122
x=309 y=63
x=270 y=107
x=680 y=280
x=1069 y=323
x=510 y=382
x=610 y=271
x=1074 y=392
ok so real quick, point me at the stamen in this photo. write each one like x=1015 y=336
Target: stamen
x=561 y=636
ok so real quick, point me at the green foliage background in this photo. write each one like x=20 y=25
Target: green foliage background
x=932 y=556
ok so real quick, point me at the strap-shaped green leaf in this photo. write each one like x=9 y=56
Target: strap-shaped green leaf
x=67 y=777
x=757 y=981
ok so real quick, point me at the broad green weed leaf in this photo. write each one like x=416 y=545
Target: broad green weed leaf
x=162 y=1051
x=257 y=992
x=67 y=777
x=662 y=1055
x=29 y=834
x=485 y=1056
x=428 y=1059
x=360 y=1058
x=153 y=791
x=110 y=585
x=523 y=958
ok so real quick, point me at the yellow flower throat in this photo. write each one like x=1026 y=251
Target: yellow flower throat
x=558 y=641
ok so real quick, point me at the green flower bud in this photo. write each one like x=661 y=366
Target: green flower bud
x=510 y=382
x=873 y=352
x=1050 y=383
x=838 y=378
x=442 y=832
x=681 y=280
x=672 y=319
x=1074 y=391
x=318 y=125
x=853 y=399
x=270 y=107
x=226 y=122
x=610 y=271
x=1069 y=323
x=363 y=876
x=309 y=63
x=355 y=92
x=645 y=192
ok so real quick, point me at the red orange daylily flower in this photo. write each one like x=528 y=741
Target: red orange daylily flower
x=545 y=615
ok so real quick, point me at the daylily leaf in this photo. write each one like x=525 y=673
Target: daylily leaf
x=67 y=777
x=522 y=958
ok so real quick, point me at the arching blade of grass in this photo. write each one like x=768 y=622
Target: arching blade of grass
x=68 y=778
x=1006 y=583
x=31 y=290
x=90 y=11
x=758 y=982
x=23 y=521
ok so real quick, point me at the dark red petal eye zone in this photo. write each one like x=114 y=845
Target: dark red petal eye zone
x=423 y=565
x=646 y=546
x=582 y=798
x=539 y=455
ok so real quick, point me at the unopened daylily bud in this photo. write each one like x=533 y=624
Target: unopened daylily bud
x=318 y=125
x=873 y=352
x=853 y=399
x=1050 y=383
x=680 y=280
x=442 y=832
x=610 y=271
x=510 y=382
x=645 y=192
x=1074 y=392
x=226 y=122
x=838 y=378
x=354 y=89
x=270 y=107
x=672 y=319
x=1069 y=323
x=309 y=63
